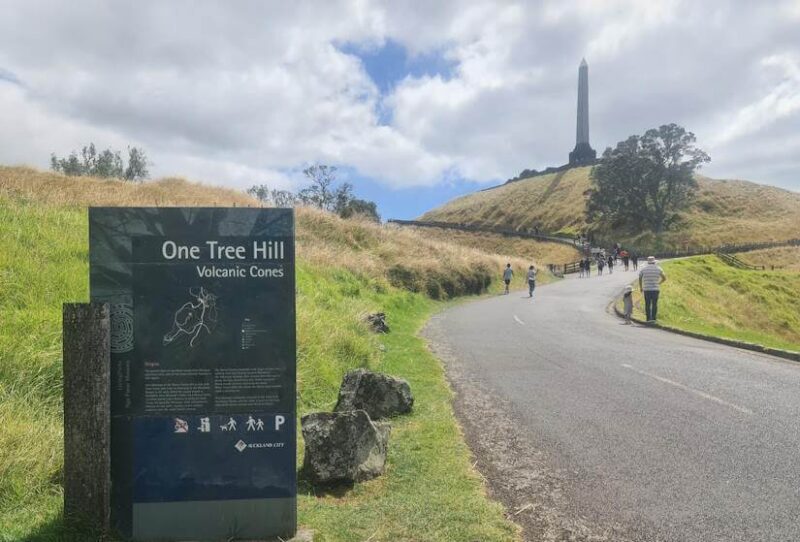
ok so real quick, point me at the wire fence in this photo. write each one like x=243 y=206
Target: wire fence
x=592 y=245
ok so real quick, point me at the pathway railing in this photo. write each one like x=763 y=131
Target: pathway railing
x=733 y=261
x=580 y=243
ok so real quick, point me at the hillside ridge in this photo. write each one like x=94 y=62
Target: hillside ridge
x=725 y=211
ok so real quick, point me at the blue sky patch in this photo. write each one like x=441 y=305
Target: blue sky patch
x=9 y=77
x=390 y=63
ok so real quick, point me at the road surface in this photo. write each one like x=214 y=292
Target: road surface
x=591 y=430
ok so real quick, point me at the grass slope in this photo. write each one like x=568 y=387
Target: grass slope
x=723 y=212
x=783 y=258
x=514 y=247
x=345 y=269
x=705 y=295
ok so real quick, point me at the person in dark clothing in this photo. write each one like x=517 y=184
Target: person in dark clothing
x=635 y=260
x=610 y=264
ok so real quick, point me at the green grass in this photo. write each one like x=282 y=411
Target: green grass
x=429 y=492
x=705 y=295
x=723 y=212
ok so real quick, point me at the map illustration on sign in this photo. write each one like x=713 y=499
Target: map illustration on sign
x=121 y=328
x=194 y=317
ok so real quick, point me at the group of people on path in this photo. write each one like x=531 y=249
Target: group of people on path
x=650 y=279
x=629 y=261
x=508 y=274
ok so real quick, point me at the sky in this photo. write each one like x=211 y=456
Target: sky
x=413 y=102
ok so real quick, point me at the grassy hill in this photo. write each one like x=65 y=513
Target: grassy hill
x=345 y=270
x=781 y=258
x=512 y=247
x=723 y=212
x=705 y=295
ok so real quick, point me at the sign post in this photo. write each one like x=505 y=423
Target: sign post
x=203 y=365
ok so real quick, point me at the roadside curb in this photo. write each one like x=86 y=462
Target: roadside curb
x=785 y=354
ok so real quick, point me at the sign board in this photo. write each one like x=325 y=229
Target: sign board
x=203 y=369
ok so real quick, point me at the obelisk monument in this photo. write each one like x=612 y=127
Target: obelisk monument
x=583 y=154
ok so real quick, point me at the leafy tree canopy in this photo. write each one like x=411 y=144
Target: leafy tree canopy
x=322 y=192
x=645 y=181
x=107 y=164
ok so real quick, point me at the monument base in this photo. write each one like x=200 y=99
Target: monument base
x=582 y=155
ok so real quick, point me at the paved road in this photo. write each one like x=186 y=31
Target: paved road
x=652 y=435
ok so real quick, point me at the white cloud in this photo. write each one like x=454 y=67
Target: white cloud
x=253 y=94
x=780 y=98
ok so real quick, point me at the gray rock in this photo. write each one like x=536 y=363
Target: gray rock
x=381 y=395
x=344 y=446
x=377 y=322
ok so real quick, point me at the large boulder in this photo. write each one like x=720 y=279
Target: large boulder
x=377 y=322
x=343 y=446
x=381 y=395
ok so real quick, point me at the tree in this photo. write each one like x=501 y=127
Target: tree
x=645 y=181
x=360 y=207
x=342 y=197
x=68 y=166
x=106 y=164
x=137 y=165
x=260 y=192
x=283 y=198
x=320 y=193
x=276 y=198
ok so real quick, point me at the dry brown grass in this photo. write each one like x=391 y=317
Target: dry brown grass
x=724 y=211
x=407 y=258
x=783 y=258
x=514 y=247
x=554 y=203
x=398 y=256
x=49 y=188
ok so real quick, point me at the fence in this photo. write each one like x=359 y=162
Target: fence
x=732 y=260
x=578 y=243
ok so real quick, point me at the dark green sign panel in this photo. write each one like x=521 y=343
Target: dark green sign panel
x=202 y=367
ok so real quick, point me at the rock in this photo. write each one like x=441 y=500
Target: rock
x=380 y=395
x=344 y=446
x=377 y=322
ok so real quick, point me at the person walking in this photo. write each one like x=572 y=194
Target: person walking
x=580 y=268
x=635 y=260
x=626 y=259
x=601 y=263
x=531 y=280
x=610 y=265
x=627 y=304
x=508 y=274
x=650 y=278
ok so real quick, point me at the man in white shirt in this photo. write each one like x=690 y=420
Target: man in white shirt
x=650 y=278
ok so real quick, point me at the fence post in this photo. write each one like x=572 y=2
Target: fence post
x=87 y=413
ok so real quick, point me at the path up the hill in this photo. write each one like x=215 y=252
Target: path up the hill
x=591 y=430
